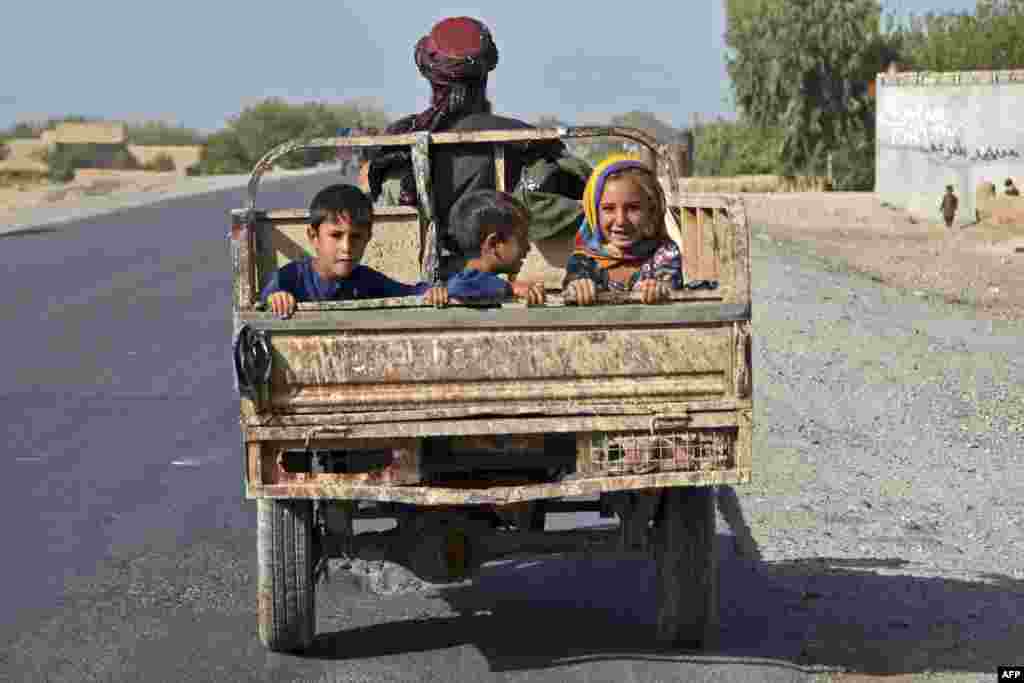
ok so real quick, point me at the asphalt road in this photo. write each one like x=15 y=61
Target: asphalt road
x=129 y=550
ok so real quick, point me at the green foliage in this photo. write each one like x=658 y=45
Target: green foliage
x=743 y=17
x=853 y=166
x=990 y=38
x=160 y=133
x=731 y=148
x=261 y=127
x=224 y=154
x=803 y=66
x=61 y=163
x=64 y=160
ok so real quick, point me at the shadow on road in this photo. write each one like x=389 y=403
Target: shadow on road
x=28 y=232
x=810 y=614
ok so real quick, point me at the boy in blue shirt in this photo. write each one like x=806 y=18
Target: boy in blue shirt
x=340 y=228
x=490 y=228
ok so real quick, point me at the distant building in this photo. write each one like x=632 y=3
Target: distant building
x=105 y=140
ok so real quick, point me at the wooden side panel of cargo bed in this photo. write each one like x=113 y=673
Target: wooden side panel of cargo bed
x=360 y=371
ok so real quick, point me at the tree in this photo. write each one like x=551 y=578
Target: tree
x=161 y=133
x=743 y=17
x=805 y=66
x=992 y=38
x=224 y=154
x=732 y=148
x=263 y=126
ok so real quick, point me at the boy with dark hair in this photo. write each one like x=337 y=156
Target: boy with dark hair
x=340 y=227
x=490 y=229
x=1010 y=188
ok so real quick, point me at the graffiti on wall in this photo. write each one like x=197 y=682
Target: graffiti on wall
x=919 y=126
x=957 y=150
x=931 y=130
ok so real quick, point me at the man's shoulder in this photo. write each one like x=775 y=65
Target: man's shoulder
x=483 y=121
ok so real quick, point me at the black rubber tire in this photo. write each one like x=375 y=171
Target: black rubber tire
x=538 y=517
x=687 y=568
x=286 y=592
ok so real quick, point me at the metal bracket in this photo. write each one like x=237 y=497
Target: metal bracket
x=673 y=420
x=324 y=429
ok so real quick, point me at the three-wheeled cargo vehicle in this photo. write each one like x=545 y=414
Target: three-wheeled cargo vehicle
x=446 y=419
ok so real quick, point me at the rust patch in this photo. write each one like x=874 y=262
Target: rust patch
x=470 y=355
x=743 y=360
x=295 y=433
x=401 y=465
x=484 y=494
x=363 y=395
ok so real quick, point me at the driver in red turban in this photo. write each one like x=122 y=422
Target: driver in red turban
x=455 y=57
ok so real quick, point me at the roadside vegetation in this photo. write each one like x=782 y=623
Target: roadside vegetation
x=261 y=127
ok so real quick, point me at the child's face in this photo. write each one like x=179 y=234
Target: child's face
x=340 y=245
x=510 y=252
x=624 y=213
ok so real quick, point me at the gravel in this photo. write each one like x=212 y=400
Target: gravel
x=889 y=428
x=887 y=500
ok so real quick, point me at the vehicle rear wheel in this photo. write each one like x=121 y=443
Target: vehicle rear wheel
x=285 y=598
x=687 y=568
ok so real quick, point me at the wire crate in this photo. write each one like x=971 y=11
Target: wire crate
x=695 y=450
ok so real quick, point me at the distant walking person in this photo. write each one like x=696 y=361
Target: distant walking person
x=948 y=206
x=1011 y=189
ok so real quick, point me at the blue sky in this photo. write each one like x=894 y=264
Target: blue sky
x=198 y=63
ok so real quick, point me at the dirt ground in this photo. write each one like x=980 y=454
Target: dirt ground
x=16 y=196
x=980 y=265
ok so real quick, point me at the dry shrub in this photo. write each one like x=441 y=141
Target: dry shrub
x=162 y=162
x=754 y=183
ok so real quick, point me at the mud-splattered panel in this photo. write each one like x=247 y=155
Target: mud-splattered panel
x=475 y=366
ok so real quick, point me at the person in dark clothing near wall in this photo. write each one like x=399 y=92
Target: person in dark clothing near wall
x=455 y=58
x=948 y=206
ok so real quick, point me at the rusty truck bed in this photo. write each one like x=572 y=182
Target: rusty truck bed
x=623 y=396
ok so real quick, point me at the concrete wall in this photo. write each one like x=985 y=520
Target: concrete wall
x=26 y=148
x=98 y=133
x=24 y=157
x=938 y=129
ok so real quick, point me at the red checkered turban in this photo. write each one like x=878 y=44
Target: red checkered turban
x=455 y=57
